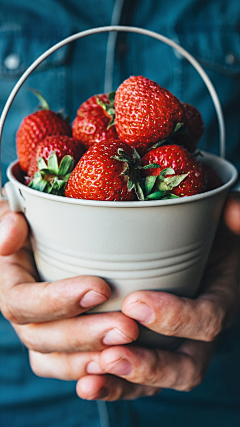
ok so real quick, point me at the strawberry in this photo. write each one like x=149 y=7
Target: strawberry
x=105 y=172
x=37 y=126
x=91 y=105
x=94 y=121
x=44 y=172
x=180 y=173
x=145 y=112
x=213 y=179
x=192 y=130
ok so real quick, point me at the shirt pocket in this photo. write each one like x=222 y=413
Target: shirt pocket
x=215 y=46
x=20 y=46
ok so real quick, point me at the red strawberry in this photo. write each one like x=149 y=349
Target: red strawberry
x=185 y=177
x=35 y=127
x=52 y=162
x=94 y=121
x=190 y=134
x=95 y=103
x=213 y=179
x=145 y=112
x=103 y=173
x=62 y=145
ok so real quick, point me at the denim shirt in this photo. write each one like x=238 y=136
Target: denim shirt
x=210 y=31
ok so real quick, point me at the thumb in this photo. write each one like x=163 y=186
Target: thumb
x=13 y=233
x=232 y=214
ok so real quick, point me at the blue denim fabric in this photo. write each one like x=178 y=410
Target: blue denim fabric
x=210 y=31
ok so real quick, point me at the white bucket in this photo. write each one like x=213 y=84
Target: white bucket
x=159 y=245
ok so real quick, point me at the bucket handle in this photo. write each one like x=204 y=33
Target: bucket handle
x=119 y=28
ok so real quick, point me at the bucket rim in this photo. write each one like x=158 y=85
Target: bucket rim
x=129 y=204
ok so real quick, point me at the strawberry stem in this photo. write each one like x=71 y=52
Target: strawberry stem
x=43 y=103
x=108 y=108
x=180 y=129
x=51 y=177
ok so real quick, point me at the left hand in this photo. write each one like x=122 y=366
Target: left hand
x=134 y=371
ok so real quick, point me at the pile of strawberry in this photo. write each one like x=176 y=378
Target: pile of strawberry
x=135 y=144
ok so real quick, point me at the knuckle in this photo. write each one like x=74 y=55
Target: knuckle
x=213 y=320
x=174 y=326
x=10 y=306
x=194 y=382
x=30 y=338
x=194 y=376
x=153 y=371
x=71 y=369
x=173 y=319
x=9 y=313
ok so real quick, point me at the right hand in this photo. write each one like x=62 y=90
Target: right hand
x=49 y=317
x=232 y=213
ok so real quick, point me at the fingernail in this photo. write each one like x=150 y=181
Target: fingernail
x=93 y=368
x=91 y=299
x=122 y=367
x=140 y=312
x=115 y=337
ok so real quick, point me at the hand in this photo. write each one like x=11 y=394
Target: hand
x=46 y=315
x=191 y=359
x=200 y=320
x=232 y=213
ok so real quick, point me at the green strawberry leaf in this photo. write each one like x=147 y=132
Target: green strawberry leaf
x=166 y=171
x=159 y=144
x=111 y=97
x=110 y=111
x=151 y=166
x=41 y=164
x=39 y=185
x=136 y=156
x=58 y=187
x=157 y=195
x=53 y=163
x=43 y=103
x=66 y=165
x=175 y=180
x=172 y=196
x=149 y=183
x=178 y=126
x=130 y=185
x=52 y=179
x=139 y=191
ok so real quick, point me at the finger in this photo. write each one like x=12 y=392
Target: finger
x=182 y=370
x=232 y=214
x=13 y=233
x=111 y=388
x=204 y=317
x=91 y=332
x=72 y=367
x=27 y=302
x=63 y=366
x=167 y=314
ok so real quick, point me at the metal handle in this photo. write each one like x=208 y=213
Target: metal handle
x=152 y=34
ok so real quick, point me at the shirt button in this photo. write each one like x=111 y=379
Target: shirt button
x=12 y=61
x=231 y=58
